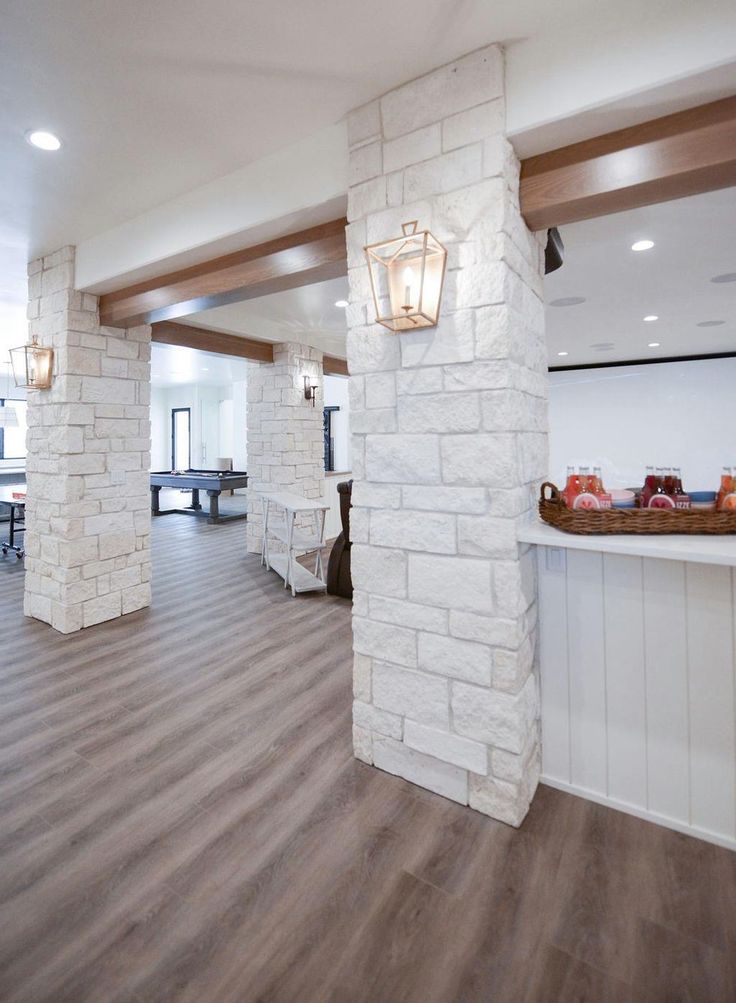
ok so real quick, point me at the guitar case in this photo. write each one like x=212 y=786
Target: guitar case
x=339 y=582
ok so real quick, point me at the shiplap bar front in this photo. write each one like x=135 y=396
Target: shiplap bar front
x=638 y=697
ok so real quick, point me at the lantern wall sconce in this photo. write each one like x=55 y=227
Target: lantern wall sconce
x=32 y=365
x=407 y=274
x=310 y=390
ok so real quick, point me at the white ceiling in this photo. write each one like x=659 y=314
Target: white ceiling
x=155 y=99
x=173 y=366
x=307 y=315
x=693 y=242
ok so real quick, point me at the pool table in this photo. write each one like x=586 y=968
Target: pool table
x=211 y=481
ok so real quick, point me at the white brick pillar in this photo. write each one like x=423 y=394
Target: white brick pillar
x=285 y=439
x=449 y=444
x=89 y=438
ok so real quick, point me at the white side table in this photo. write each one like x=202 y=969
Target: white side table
x=280 y=509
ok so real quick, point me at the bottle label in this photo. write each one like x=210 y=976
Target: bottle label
x=729 y=501
x=586 y=501
x=660 y=501
x=682 y=501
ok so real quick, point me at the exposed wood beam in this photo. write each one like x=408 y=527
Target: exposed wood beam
x=298 y=259
x=168 y=333
x=333 y=366
x=682 y=154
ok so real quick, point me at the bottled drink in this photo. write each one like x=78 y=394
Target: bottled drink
x=726 y=499
x=659 y=497
x=572 y=488
x=669 y=481
x=682 y=498
x=604 y=499
x=586 y=498
x=648 y=490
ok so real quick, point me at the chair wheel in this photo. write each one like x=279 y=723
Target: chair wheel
x=20 y=556
x=5 y=551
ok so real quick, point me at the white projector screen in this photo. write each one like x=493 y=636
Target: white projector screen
x=679 y=414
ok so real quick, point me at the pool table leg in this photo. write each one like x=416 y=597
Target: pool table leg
x=155 y=500
x=214 y=497
x=196 y=506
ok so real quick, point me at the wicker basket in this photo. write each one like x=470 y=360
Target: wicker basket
x=553 y=510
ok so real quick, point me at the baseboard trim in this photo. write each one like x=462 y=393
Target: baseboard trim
x=728 y=842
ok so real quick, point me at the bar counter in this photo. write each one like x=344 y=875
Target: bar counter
x=636 y=656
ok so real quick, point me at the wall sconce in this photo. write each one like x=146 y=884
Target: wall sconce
x=407 y=274
x=310 y=390
x=32 y=365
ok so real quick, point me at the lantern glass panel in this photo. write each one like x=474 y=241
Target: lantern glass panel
x=32 y=366
x=406 y=278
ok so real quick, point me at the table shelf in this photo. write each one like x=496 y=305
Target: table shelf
x=301 y=578
x=280 y=510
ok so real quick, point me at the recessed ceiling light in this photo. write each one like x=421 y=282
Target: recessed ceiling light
x=562 y=353
x=602 y=346
x=341 y=303
x=726 y=277
x=43 y=140
x=651 y=317
x=710 y=323
x=567 y=301
x=642 y=245
x=205 y=369
x=653 y=344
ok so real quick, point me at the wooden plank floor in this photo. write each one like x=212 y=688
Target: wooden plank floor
x=182 y=820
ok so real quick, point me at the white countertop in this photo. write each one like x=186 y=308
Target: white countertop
x=697 y=549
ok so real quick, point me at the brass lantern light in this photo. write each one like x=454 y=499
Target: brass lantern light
x=32 y=365
x=407 y=274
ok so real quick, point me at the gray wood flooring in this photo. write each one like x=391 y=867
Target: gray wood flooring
x=182 y=820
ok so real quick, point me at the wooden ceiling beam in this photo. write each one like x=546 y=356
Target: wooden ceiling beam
x=332 y=366
x=169 y=333
x=298 y=259
x=683 y=154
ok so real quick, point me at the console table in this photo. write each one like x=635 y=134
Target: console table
x=280 y=510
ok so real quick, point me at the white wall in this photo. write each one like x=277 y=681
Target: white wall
x=240 y=425
x=336 y=394
x=160 y=429
x=625 y=418
x=207 y=435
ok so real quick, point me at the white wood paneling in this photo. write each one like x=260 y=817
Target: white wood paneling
x=587 y=670
x=711 y=697
x=555 y=684
x=637 y=679
x=625 y=678
x=665 y=639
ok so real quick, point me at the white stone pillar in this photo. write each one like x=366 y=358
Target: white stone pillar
x=285 y=438
x=87 y=509
x=449 y=444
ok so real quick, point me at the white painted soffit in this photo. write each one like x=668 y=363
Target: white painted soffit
x=562 y=87
x=297 y=187
x=584 y=80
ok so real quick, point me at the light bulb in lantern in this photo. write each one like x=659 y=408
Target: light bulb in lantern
x=409 y=286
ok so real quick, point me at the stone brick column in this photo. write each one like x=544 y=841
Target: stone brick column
x=89 y=438
x=285 y=443
x=449 y=445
